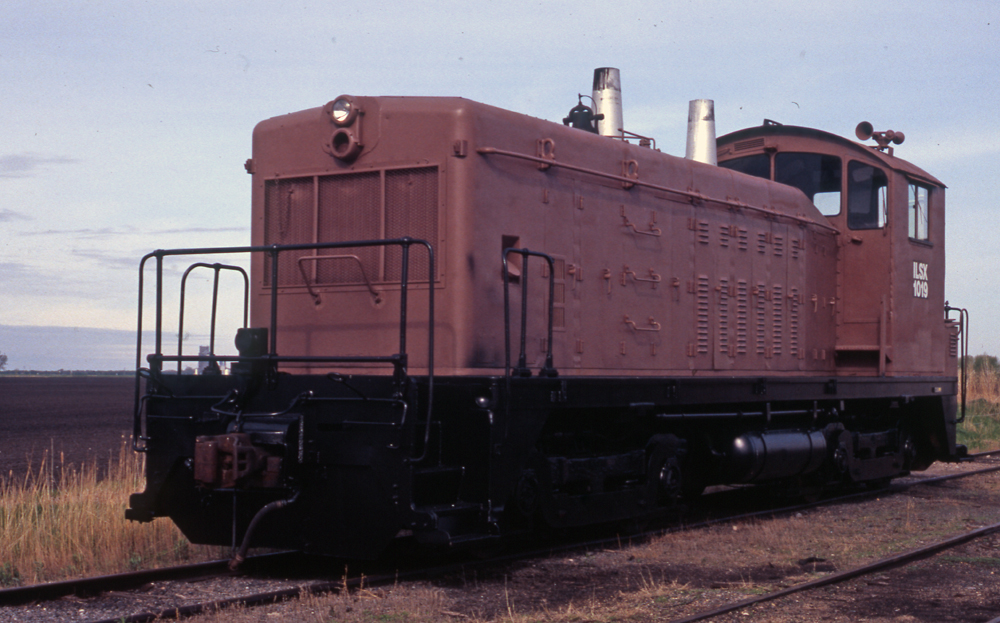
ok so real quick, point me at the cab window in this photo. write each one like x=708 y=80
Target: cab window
x=758 y=165
x=917 y=211
x=816 y=175
x=867 y=187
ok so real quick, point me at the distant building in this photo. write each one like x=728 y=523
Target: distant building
x=203 y=351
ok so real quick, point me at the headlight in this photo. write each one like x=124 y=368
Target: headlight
x=343 y=110
x=343 y=144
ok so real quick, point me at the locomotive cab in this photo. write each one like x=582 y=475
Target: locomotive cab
x=890 y=248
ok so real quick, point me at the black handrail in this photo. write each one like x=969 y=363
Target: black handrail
x=963 y=333
x=398 y=360
x=522 y=369
x=215 y=300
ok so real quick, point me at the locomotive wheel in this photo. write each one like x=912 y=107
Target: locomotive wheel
x=664 y=477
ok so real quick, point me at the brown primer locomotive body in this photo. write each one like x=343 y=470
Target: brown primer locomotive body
x=708 y=326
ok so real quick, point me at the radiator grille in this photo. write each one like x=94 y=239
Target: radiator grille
x=288 y=219
x=349 y=209
x=351 y=206
x=411 y=197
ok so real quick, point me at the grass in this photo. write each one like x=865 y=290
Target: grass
x=981 y=429
x=62 y=523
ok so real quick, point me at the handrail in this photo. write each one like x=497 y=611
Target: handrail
x=522 y=368
x=215 y=300
x=398 y=360
x=315 y=258
x=963 y=334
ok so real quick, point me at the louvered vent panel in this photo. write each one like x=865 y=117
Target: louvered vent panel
x=724 y=316
x=702 y=314
x=742 y=311
x=703 y=232
x=793 y=325
x=760 y=326
x=749 y=144
x=778 y=321
x=288 y=219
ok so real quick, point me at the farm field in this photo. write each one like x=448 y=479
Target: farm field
x=73 y=419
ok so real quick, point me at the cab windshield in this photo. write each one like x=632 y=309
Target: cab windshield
x=818 y=176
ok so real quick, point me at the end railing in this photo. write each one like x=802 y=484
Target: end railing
x=271 y=359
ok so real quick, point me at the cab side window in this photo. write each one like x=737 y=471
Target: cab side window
x=917 y=204
x=867 y=188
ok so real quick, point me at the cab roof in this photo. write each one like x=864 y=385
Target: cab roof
x=772 y=129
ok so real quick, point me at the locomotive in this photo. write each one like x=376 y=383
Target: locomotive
x=464 y=323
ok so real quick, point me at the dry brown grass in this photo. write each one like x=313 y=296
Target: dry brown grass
x=984 y=384
x=58 y=522
x=980 y=431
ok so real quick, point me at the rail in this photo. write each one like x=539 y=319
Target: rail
x=217 y=268
x=272 y=359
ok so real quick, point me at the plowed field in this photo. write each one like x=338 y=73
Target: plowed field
x=73 y=419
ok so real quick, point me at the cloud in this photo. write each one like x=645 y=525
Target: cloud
x=10 y=215
x=90 y=232
x=27 y=164
x=108 y=260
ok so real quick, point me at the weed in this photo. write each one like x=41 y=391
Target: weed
x=58 y=522
x=9 y=575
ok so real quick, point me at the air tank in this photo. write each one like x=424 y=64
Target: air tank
x=773 y=455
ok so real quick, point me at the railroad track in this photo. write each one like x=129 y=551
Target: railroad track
x=843 y=576
x=122 y=582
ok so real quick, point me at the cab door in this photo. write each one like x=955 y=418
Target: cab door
x=864 y=279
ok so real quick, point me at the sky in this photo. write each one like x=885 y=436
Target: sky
x=125 y=125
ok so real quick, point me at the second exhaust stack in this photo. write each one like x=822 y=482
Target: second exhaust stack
x=701 y=131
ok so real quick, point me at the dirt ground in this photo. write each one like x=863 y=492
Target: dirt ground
x=678 y=575
x=74 y=419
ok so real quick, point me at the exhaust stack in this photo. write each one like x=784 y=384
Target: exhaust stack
x=608 y=101
x=701 y=131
